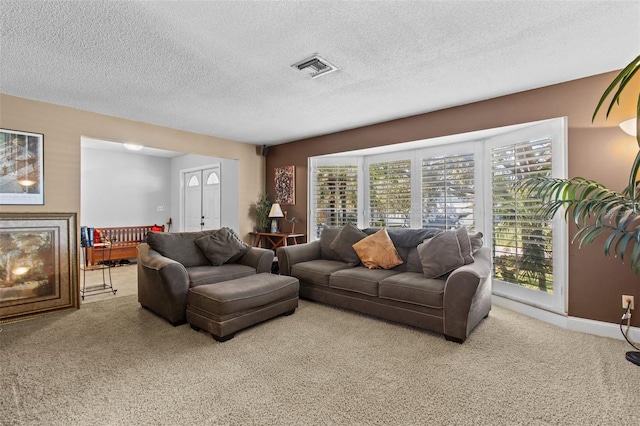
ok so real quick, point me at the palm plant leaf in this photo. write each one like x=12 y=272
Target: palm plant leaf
x=621 y=80
x=622 y=243
x=595 y=209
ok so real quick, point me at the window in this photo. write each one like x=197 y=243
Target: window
x=390 y=194
x=193 y=181
x=448 y=191
x=529 y=254
x=213 y=179
x=522 y=243
x=335 y=195
x=467 y=183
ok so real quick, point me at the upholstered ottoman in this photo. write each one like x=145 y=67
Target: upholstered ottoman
x=226 y=307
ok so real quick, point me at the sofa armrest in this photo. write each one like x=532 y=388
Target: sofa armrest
x=163 y=284
x=467 y=296
x=290 y=255
x=258 y=258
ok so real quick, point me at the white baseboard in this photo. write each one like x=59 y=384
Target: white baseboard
x=582 y=325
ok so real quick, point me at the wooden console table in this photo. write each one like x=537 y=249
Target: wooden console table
x=274 y=240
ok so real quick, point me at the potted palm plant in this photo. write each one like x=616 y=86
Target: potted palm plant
x=260 y=211
x=595 y=209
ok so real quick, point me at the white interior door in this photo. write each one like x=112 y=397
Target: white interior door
x=193 y=201
x=211 y=198
x=202 y=199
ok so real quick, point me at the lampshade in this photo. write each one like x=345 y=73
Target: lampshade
x=276 y=211
x=630 y=126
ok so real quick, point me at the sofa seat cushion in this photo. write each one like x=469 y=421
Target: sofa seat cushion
x=413 y=287
x=199 y=275
x=360 y=279
x=317 y=271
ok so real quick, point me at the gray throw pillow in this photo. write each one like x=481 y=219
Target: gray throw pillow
x=344 y=241
x=476 y=242
x=221 y=246
x=440 y=255
x=179 y=246
x=326 y=238
x=465 y=244
x=245 y=247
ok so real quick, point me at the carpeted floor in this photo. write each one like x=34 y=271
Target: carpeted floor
x=114 y=363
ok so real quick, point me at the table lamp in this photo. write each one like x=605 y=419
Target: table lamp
x=274 y=215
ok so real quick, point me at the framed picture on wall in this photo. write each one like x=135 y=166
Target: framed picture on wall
x=21 y=167
x=38 y=266
x=285 y=185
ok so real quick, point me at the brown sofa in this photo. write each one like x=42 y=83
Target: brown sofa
x=452 y=304
x=169 y=264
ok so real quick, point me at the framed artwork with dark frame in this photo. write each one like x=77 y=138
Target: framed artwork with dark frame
x=21 y=167
x=38 y=264
x=285 y=185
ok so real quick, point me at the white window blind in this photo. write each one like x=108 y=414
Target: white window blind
x=522 y=242
x=335 y=195
x=448 y=191
x=390 y=194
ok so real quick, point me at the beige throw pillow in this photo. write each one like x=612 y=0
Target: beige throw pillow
x=377 y=251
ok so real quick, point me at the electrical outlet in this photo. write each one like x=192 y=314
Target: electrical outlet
x=161 y=208
x=626 y=300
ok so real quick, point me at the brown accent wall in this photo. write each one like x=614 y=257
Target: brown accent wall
x=599 y=151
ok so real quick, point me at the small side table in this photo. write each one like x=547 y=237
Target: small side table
x=273 y=240
x=103 y=265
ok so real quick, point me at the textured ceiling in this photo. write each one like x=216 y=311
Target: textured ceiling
x=222 y=68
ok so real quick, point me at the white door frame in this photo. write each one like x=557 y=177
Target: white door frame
x=183 y=172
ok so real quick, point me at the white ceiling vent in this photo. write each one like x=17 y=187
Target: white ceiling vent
x=314 y=66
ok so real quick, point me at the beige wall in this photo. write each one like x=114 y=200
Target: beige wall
x=599 y=151
x=63 y=127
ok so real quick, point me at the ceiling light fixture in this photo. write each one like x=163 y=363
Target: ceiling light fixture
x=314 y=66
x=630 y=126
x=133 y=146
